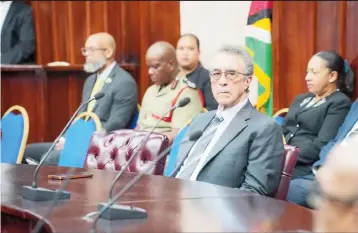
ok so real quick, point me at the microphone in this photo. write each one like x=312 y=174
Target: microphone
x=34 y=193
x=114 y=212
x=181 y=103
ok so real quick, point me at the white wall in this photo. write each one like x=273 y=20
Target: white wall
x=216 y=23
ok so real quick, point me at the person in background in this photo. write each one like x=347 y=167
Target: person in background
x=18 y=43
x=240 y=147
x=167 y=91
x=300 y=187
x=115 y=109
x=314 y=118
x=336 y=195
x=187 y=53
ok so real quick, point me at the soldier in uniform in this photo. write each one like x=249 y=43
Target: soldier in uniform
x=168 y=89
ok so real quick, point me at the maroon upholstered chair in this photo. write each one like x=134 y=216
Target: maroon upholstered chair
x=111 y=151
x=289 y=163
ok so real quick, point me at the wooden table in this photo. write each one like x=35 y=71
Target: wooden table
x=173 y=205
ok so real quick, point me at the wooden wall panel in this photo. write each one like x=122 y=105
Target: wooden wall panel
x=351 y=45
x=302 y=28
x=62 y=28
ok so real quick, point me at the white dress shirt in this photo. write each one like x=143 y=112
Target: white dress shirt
x=106 y=72
x=4 y=9
x=228 y=115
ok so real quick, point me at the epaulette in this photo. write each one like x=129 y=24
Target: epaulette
x=189 y=83
x=175 y=83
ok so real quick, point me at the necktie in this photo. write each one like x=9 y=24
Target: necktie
x=192 y=161
x=96 y=88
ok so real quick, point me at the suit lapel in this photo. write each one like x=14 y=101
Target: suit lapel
x=352 y=121
x=236 y=126
x=185 y=148
x=107 y=82
x=89 y=87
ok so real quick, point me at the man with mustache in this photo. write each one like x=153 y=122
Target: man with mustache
x=188 y=52
x=116 y=108
x=167 y=91
x=240 y=147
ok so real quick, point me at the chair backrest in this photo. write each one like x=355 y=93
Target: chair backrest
x=111 y=151
x=289 y=163
x=280 y=115
x=173 y=155
x=134 y=119
x=14 y=134
x=78 y=137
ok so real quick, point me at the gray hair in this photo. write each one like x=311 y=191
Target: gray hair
x=244 y=54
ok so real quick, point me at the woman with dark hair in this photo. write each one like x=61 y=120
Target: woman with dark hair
x=315 y=117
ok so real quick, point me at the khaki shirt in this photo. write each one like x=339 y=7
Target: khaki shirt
x=158 y=100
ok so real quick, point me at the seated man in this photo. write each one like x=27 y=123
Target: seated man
x=240 y=147
x=299 y=188
x=18 y=41
x=116 y=108
x=188 y=53
x=168 y=89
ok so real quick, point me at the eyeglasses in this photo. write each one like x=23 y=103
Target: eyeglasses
x=90 y=50
x=229 y=74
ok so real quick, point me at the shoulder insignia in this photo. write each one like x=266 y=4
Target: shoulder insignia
x=190 y=83
x=175 y=83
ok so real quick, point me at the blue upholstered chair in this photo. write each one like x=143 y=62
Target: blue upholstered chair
x=134 y=119
x=14 y=134
x=279 y=116
x=173 y=155
x=78 y=137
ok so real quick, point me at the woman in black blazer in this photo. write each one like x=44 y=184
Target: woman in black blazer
x=315 y=117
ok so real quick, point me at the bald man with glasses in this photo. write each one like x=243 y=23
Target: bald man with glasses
x=115 y=109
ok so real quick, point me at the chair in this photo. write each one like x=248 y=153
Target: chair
x=111 y=151
x=289 y=163
x=280 y=115
x=78 y=137
x=134 y=119
x=14 y=134
x=173 y=155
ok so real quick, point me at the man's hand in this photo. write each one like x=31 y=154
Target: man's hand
x=60 y=144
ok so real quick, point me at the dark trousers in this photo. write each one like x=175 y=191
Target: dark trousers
x=300 y=188
x=36 y=151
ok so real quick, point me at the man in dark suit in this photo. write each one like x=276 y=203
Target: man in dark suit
x=116 y=108
x=240 y=147
x=17 y=33
x=188 y=52
x=300 y=187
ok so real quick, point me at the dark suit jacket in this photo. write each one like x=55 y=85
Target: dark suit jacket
x=248 y=156
x=18 y=37
x=311 y=128
x=117 y=107
x=348 y=123
x=200 y=76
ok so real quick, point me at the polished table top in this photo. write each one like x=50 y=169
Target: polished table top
x=173 y=205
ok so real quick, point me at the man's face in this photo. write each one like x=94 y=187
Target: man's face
x=159 y=70
x=228 y=83
x=94 y=53
x=187 y=52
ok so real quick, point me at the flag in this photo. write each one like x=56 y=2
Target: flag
x=258 y=43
